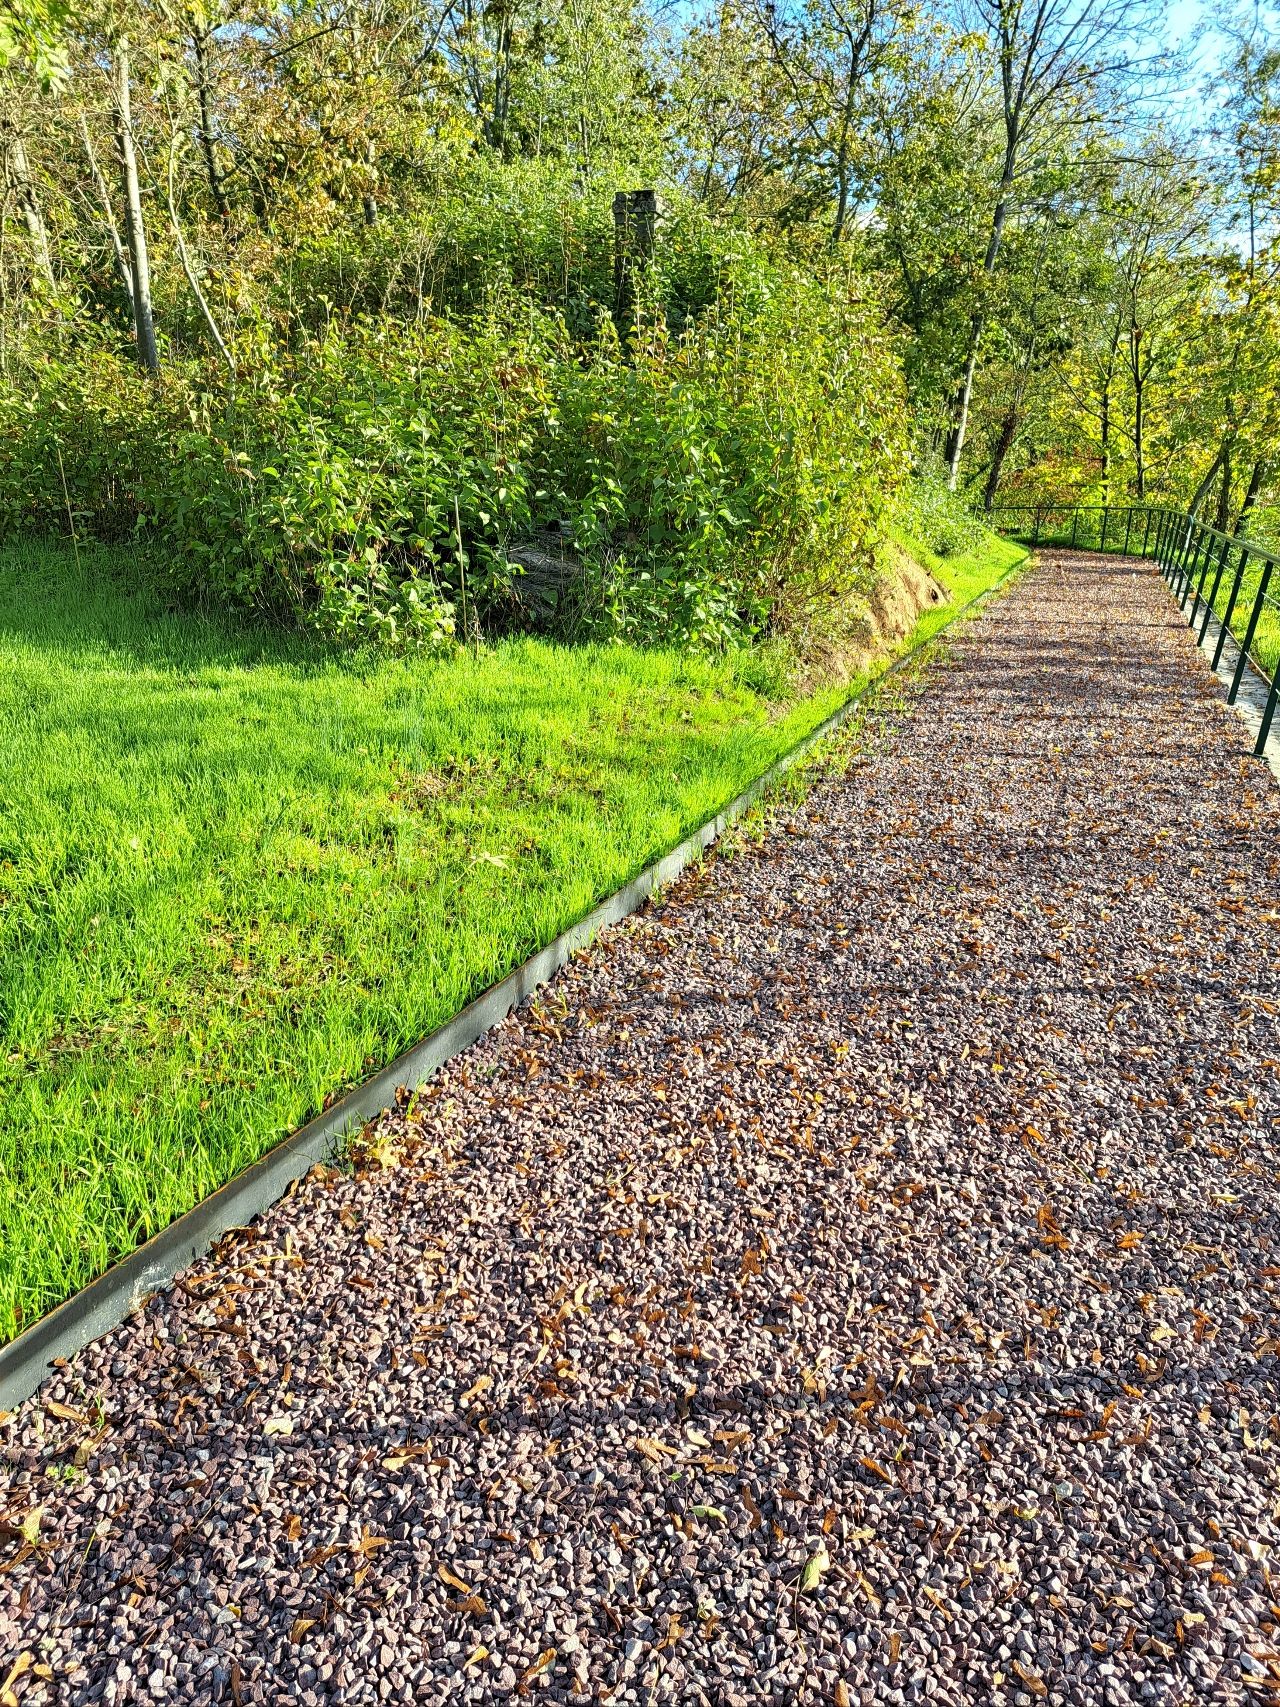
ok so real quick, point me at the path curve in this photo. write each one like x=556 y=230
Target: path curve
x=856 y=1281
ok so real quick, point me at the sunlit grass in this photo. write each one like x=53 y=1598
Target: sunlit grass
x=964 y=576
x=1206 y=582
x=238 y=871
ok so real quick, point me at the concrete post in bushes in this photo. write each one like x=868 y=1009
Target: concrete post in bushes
x=635 y=220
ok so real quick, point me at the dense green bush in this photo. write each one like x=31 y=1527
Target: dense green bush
x=934 y=516
x=725 y=475
x=486 y=235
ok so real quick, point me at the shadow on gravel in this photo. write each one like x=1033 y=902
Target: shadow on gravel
x=855 y=1280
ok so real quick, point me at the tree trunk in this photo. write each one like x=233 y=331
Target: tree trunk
x=964 y=391
x=217 y=189
x=368 y=201
x=960 y=408
x=842 y=198
x=1012 y=419
x=1139 y=453
x=1224 y=495
x=1004 y=444
x=1256 y=479
x=1205 y=484
x=143 y=318
x=123 y=269
x=29 y=206
x=1104 y=413
x=189 y=271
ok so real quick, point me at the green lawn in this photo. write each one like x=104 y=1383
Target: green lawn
x=238 y=871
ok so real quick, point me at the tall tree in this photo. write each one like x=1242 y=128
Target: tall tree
x=733 y=126
x=135 y=228
x=19 y=180
x=1063 y=69
x=829 y=52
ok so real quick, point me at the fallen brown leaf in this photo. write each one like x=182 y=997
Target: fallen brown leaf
x=1030 y=1679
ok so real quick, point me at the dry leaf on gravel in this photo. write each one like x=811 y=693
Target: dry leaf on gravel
x=68 y=1413
x=884 y=1127
x=1030 y=1680
x=544 y=1659
x=18 y=1669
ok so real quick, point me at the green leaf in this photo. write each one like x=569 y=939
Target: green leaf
x=815 y=1566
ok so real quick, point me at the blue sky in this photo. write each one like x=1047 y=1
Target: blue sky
x=1185 y=17
x=1182 y=22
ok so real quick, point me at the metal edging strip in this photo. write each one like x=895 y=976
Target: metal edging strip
x=26 y=1361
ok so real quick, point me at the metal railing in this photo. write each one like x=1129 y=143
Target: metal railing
x=1090 y=527
x=1213 y=575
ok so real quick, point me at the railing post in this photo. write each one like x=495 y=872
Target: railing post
x=1217 y=581
x=1183 y=560
x=1268 y=713
x=1231 y=606
x=1035 y=536
x=1206 y=542
x=1187 y=567
x=1128 y=523
x=1181 y=545
x=1146 y=530
x=1249 y=632
x=1170 y=548
x=1102 y=537
x=1197 y=576
x=1075 y=523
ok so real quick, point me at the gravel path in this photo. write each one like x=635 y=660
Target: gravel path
x=856 y=1281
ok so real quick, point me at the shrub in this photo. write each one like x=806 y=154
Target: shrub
x=724 y=477
x=938 y=518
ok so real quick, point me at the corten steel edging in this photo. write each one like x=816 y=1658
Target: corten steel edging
x=106 y=1302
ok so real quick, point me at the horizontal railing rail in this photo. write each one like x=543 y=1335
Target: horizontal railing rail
x=1125 y=528
x=1213 y=575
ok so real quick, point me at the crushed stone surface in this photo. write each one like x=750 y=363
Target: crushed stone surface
x=854 y=1280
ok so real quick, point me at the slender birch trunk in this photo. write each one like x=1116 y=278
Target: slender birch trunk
x=189 y=272
x=964 y=392
x=143 y=316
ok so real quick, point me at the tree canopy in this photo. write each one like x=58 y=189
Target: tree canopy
x=1072 y=268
